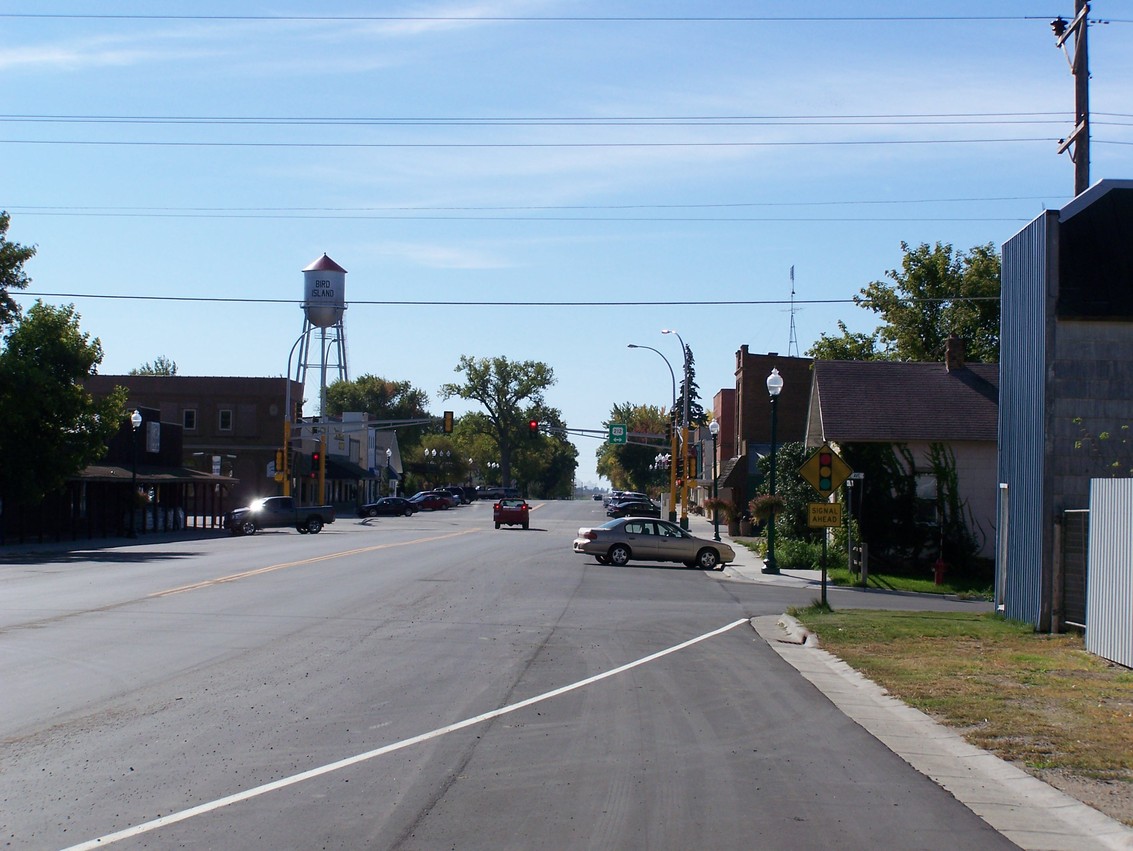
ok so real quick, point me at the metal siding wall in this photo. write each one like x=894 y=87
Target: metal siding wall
x=1022 y=421
x=1109 y=592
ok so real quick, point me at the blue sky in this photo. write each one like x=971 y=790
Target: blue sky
x=546 y=180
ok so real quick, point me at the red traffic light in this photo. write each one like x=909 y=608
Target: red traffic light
x=533 y=425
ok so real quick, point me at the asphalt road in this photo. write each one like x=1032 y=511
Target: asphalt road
x=423 y=683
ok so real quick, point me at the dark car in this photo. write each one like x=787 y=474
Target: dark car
x=388 y=506
x=431 y=500
x=456 y=492
x=633 y=508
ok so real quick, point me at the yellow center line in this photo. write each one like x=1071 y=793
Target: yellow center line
x=208 y=583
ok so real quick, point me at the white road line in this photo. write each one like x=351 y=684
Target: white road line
x=209 y=807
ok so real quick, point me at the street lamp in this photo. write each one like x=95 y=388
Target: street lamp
x=673 y=446
x=389 y=471
x=684 y=427
x=774 y=388
x=135 y=422
x=714 y=429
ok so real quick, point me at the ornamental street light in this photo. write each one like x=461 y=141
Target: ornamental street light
x=684 y=427
x=774 y=388
x=714 y=429
x=673 y=443
x=135 y=422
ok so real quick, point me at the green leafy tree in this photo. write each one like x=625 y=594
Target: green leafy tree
x=13 y=256
x=160 y=366
x=507 y=390
x=937 y=292
x=384 y=399
x=792 y=488
x=53 y=428
x=631 y=466
x=846 y=346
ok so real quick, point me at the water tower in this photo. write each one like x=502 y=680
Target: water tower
x=324 y=303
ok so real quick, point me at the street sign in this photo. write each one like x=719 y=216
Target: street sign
x=825 y=470
x=821 y=515
x=618 y=433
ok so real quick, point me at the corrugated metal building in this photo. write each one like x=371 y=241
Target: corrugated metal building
x=1066 y=377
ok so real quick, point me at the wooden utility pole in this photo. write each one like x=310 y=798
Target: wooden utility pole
x=1078 y=142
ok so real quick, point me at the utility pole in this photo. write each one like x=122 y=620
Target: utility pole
x=1078 y=142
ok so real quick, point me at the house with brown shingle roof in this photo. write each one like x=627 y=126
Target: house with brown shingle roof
x=917 y=406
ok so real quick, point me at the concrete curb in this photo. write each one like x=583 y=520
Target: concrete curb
x=1030 y=813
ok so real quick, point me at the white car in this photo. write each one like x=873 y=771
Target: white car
x=647 y=539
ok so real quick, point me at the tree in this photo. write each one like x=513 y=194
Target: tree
x=502 y=386
x=13 y=256
x=161 y=366
x=846 y=346
x=53 y=428
x=937 y=292
x=383 y=399
x=696 y=414
x=631 y=466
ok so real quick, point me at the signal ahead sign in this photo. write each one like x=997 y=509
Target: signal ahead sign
x=825 y=470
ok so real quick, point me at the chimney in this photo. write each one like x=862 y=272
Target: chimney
x=954 y=353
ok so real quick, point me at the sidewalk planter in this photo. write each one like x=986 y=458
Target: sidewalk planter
x=727 y=511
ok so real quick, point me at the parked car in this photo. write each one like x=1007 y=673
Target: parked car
x=633 y=508
x=456 y=492
x=388 y=506
x=276 y=512
x=645 y=539
x=511 y=512
x=431 y=501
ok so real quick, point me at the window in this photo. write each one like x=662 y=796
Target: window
x=224 y=419
x=189 y=419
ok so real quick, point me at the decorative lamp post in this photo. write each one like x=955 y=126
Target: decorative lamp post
x=390 y=486
x=135 y=422
x=684 y=427
x=774 y=388
x=673 y=445
x=714 y=429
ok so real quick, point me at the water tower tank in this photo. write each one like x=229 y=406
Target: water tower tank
x=324 y=292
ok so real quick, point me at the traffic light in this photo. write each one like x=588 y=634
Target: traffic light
x=279 y=460
x=825 y=471
x=448 y=422
x=315 y=456
x=533 y=428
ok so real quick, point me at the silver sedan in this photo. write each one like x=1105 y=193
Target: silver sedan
x=646 y=539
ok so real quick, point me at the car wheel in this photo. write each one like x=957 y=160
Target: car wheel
x=618 y=555
x=707 y=559
x=314 y=525
x=408 y=512
x=302 y=530
x=248 y=527
x=373 y=512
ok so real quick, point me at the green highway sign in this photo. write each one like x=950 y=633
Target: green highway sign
x=618 y=433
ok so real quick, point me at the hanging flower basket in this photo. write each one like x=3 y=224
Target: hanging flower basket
x=762 y=506
x=723 y=507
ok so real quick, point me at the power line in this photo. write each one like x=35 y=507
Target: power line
x=761 y=19
x=445 y=303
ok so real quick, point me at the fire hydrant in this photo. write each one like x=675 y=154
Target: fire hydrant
x=938 y=570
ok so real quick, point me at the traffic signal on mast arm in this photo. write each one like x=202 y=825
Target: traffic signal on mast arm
x=448 y=422
x=533 y=428
x=314 y=464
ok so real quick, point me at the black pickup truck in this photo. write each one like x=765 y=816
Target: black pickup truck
x=277 y=512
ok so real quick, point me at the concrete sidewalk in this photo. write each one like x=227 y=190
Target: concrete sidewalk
x=1028 y=812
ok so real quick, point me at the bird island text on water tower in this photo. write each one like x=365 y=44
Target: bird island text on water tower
x=324 y=292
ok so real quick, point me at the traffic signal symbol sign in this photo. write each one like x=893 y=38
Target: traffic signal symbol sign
x=825 y=470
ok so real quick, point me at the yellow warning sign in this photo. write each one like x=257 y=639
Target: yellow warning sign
x=823 y=514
